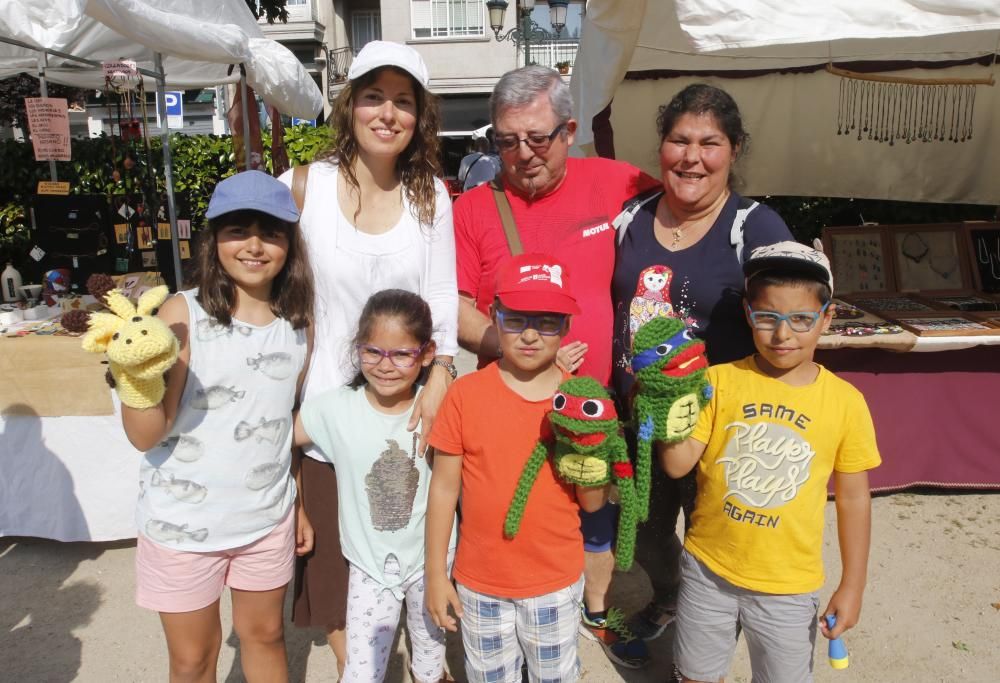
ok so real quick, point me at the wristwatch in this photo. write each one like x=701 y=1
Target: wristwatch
x=450 y=367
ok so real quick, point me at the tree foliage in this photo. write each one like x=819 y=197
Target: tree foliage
x=272 y=10
x=199 y=163
x=13 y=90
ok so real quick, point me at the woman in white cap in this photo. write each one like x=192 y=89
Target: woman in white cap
x=375 y=216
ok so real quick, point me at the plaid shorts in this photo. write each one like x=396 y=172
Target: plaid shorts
x=498 y=632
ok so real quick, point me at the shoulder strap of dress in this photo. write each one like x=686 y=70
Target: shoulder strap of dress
x=506 y=217
x=300 y=174
x=736 y=233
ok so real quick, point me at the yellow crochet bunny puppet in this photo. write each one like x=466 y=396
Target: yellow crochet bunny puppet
x=140 y=347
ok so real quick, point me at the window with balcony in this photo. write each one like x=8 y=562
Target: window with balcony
x=448 y=18
x=366 y=26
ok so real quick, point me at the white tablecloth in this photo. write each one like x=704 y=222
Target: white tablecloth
x=67 y=478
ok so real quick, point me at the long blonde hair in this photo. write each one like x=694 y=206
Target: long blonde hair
x=419 y=163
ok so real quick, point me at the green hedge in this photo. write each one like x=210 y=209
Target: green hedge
x=199 y=162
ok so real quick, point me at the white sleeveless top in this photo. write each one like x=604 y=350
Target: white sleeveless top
x=221 y=478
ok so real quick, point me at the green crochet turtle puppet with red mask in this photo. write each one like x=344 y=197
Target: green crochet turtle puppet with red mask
x=671 y=390
x=588 y=451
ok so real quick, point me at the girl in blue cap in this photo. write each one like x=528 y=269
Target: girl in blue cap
x=217 y=491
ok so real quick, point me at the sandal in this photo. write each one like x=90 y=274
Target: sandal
x=651 y=621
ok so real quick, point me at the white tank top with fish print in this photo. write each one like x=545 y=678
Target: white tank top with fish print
x=221 y=479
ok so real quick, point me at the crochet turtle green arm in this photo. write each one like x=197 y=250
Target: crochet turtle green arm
x=628 y=510
x=669 y=365
x=515 y=512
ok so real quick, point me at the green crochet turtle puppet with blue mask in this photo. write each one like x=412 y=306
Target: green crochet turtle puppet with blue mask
x=588 y=451
x=671 y=389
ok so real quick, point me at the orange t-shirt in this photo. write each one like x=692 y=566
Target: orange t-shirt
x=493 y=429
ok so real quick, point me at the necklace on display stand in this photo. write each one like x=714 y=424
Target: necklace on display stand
x=986 y=257
x=947 y=271
x=914 y=247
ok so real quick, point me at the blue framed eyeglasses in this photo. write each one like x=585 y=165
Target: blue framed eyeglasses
x=370 y=354
x=546 y=324
x=539 y=142
x=798 y=321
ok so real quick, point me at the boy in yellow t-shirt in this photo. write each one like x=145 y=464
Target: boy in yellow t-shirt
x=765 y=445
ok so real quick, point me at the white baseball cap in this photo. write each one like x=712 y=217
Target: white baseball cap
x=379 y=53
x=790 y=257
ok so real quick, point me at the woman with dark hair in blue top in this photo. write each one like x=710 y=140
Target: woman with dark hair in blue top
x=681 y=255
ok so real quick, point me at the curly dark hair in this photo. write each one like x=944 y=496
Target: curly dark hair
x=701 y=98
x=419 y=163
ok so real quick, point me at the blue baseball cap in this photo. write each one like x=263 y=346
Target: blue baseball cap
x=256 y=191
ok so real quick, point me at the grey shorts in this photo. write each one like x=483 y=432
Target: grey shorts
x=780 y=629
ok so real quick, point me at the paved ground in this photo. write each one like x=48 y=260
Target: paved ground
x=932 y=611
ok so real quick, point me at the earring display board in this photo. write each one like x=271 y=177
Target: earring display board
x=945 y=325
x=860 y=259
x=964 y=302
x=890 y=304
x=929 y=258
x=74 y=232
x=984 y=254
x=991 y=318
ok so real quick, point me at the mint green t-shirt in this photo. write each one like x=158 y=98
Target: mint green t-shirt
x=382 y=483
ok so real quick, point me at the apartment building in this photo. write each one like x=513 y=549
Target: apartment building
x=463 y=55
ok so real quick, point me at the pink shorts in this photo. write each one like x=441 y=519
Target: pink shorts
x=179 y=581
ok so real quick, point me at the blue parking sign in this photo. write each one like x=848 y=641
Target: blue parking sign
x=297 y=121
x=175 y=103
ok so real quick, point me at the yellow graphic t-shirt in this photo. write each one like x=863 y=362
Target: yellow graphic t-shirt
x=770 y=450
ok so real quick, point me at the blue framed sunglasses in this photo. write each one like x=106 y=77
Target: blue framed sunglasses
x=546 y=324
x=798 y=321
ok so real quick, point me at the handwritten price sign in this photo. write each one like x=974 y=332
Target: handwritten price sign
x=48 y=121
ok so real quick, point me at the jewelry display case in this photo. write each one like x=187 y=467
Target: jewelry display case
x=983 y=240
x=930 y=259
x=945 y=325
x=860 y=260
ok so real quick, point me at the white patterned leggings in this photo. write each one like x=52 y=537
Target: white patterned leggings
x=372 y=618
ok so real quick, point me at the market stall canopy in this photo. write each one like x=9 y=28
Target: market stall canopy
x=198 y=41
x=771 y=56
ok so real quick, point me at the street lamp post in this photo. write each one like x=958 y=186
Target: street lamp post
x=527 y=30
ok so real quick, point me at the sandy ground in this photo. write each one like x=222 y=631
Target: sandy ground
x=932 y=610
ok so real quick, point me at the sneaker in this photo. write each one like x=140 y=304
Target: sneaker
x=621 y=646
x=651 y=621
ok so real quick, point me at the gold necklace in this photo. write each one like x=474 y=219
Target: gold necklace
x=676 y=232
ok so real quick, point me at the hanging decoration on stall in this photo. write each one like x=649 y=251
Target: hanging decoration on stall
x=48 y=123
x=890 y=108
x=138 y=227
x=235 y=117
x=279 y=155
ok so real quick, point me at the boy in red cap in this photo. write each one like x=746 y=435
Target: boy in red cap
x=522 y=594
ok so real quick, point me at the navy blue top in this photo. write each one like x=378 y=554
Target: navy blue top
x=705 y=284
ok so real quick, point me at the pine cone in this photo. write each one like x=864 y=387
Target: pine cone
x=99 y=285
x=75 y=320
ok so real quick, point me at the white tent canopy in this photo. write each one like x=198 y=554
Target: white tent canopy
x=175 y=43
x=199 y=40
x=770 y=54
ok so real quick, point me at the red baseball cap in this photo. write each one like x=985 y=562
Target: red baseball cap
x=535 y=282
